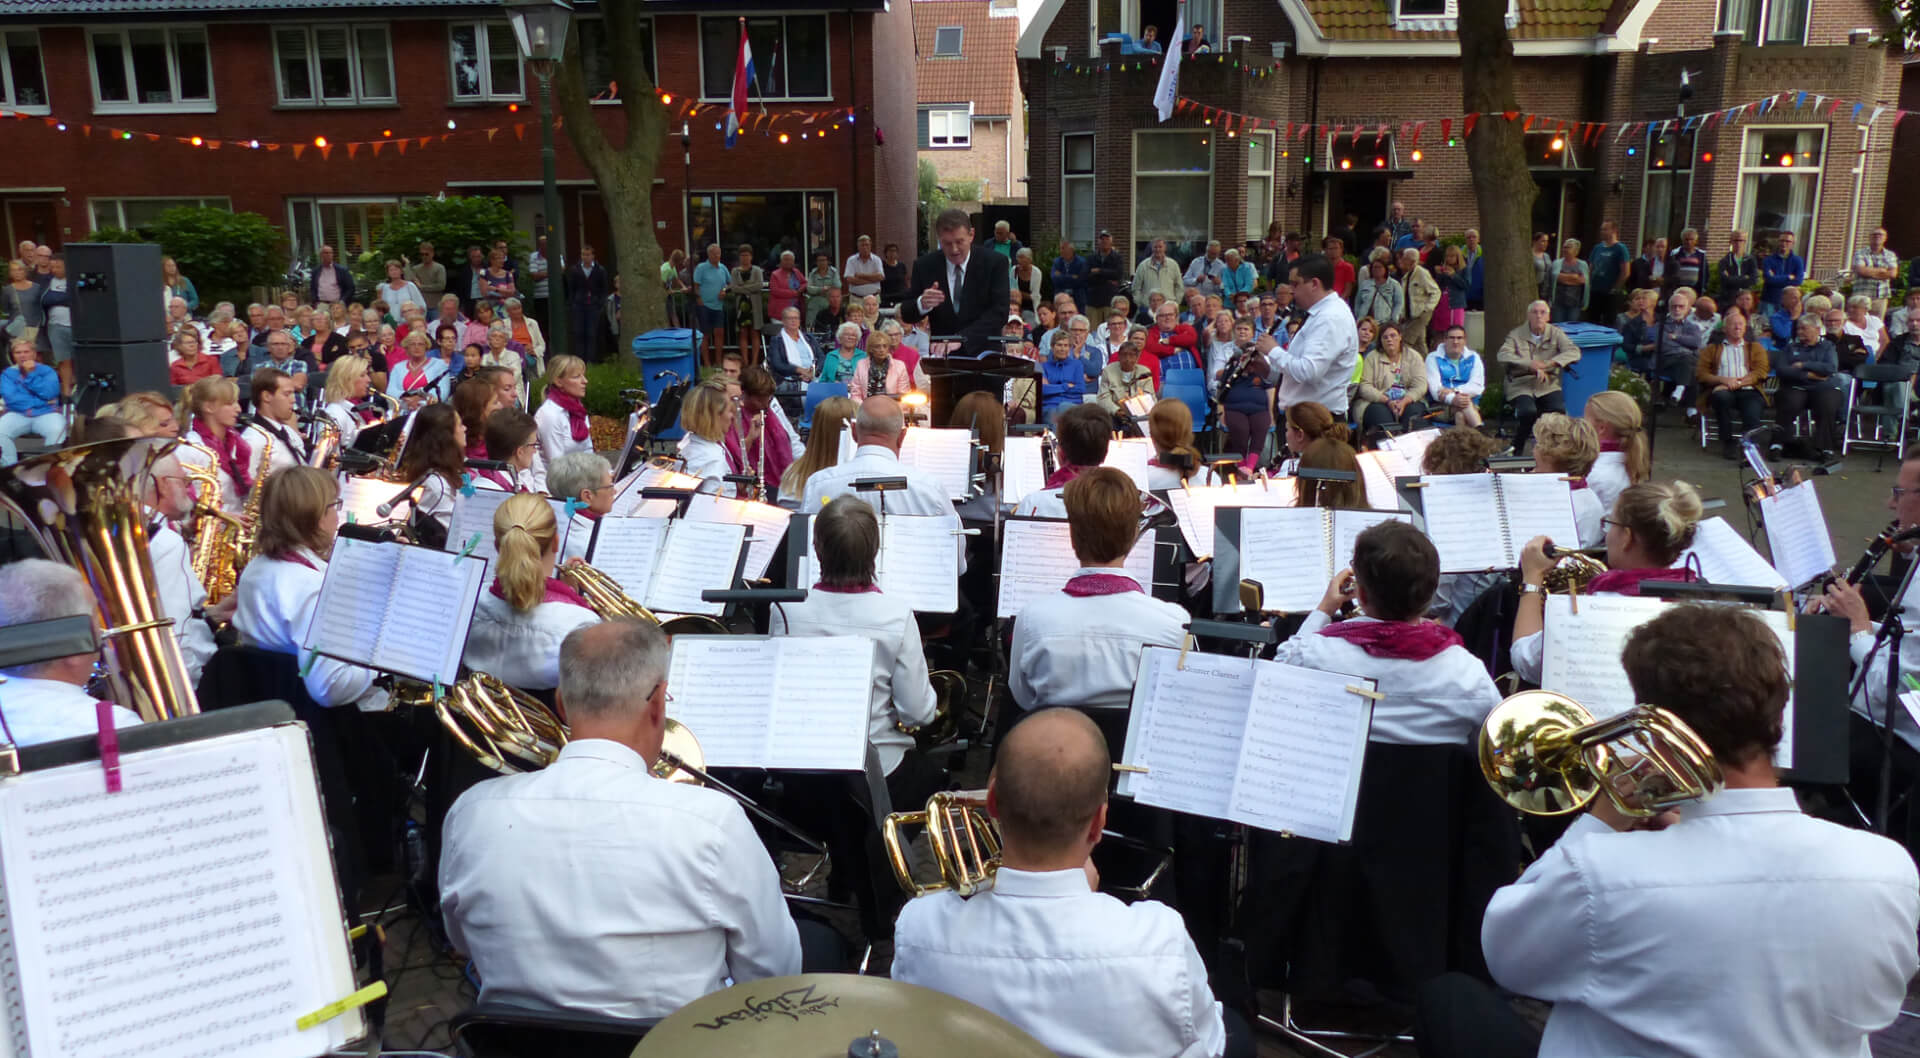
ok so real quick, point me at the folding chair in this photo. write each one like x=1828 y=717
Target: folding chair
x=1871 y=412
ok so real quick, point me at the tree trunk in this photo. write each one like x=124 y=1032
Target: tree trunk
x=623 y=173
x=1497 y=156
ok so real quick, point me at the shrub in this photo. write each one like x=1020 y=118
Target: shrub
x=225 y=254
x=605 y=381
x=116 y=235
x=451 y=225
x=1632 y=385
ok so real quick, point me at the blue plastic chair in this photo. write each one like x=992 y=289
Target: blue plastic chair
x=1193 y=396
x=817 y=392
x=1183 y=376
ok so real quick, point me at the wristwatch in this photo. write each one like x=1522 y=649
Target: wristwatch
x=1532 y=589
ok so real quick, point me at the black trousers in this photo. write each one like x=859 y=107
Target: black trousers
x=1724 y=402
x=1825 y=404
x=1527 y=411
x=1457 y=1016
x=1380 y=415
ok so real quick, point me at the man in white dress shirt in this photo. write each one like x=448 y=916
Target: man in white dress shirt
x=48 y=700
x=1318 y=364
x=1081 y=972
x=594 y=887
x=1734 y=925
x=1082 y=435
x=878 y=429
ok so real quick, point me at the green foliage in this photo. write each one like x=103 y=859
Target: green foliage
x=605 y=380
x=116 y=235
x=1632 y=385
x=451 y=224
x=225 y=254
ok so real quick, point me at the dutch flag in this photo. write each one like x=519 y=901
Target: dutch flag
x=742 y=77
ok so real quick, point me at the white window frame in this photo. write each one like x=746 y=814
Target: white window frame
x=314 y=204
x=134 y=106
x=653 y=54
x=700 y=45
x=1213 y=12
x=1763 y=9
x=8 y=97
x=1803 y=240
x=1266 y=207
x=959 y=45
x=1446 y=22
x=1076 y=178
x=963 y=112
x=1133 y=217
x=1648 y=171
x=118 y=203
x=1325 y=163
x=483 y=27
x=354 y=63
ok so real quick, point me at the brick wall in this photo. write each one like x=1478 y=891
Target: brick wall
x=887 y=68
x=994 y=145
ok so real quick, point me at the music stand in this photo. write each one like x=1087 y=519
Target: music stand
x=953 y=377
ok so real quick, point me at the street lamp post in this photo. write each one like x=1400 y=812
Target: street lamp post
x=541 y=28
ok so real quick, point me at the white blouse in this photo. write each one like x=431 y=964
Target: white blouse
x=522 y=649
x=556 y=434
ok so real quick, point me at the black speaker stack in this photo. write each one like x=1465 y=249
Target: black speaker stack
x=119 y=321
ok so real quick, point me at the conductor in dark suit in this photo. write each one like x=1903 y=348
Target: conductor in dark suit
x=977 y=309
x=587 y=286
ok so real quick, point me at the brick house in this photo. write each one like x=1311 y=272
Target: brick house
x=972 y=117
x=358 y=72
x=1369 y=63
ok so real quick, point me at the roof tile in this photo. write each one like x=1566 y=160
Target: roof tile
x=985 y=73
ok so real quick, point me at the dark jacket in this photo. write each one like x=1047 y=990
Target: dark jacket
x=340 y=276
x=1737 y=274
x=1105 y=273
x=587 y=293
x=977 y=313
x=777 y=361
x=1795 y=363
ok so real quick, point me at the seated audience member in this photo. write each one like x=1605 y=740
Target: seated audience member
x=1081 y=972
x=1393 y=385
x=1532 y=357
x=1171 y=344
x=1810 y=381
x=879 y=371
x=1456 y=376
x=525 y=613
x=678 y=891
x=1589 y=926
x=1728 y=375
x=46 y=701
x=1082 y=434
x=1562 y=445
x=1124 y=379
x=1063 y=378
x=31 y=391
x=586 y=479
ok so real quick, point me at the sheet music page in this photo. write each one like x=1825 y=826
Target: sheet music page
x=1130 y=456
x=359 y=580
x=360 y=499
x=428 y=613
x=1022 y=471
x=1463 y=521
x=1725 y=557
x=1038 y=559
x=1140 y=405
x=944 y=452
x=1381 y=494
x=722 y=687
x=1537 y=505
x=472 y=520
x=1413 y=447
x=1299 y=767
x=820 y=694
x=627 y=499
x=1186 y=728
x=192 y=913
x=1349 y=524
x=1395 y=463
x=698 y=556
x=1193 y=508
x=916 y=562
x=769 y=526
x=1797 y=534
x=627 y=549
x=1285 y=549
x=847 y=447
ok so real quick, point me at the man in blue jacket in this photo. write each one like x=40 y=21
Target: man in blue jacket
x=331 y=281
x=1782 y=269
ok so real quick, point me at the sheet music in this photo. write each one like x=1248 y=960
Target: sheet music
x=1725 y=557
x=359 y=576
x=1038 y=559
x=1797 y=534
x=847 y=447
x=769 y=526
x=1381 y=494
x=472 y=522
x=946 y=453
x=1462 y=515
x=1413 y=446
x=1285 y=549
x=1536 y=505
x=1347 y=527
x=1193 y=508
x=1130 y=457
x=1140 y=405
x=916 y=562
x=1300 y=759
x=626 y=549
x=360 y=499
x=698 y=557
x=627 y=499
x=1021 y=469
x=430 y=607
x=1192 y=751
x=193 y=913
x=779 y=702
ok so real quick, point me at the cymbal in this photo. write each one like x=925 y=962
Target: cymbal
x=821 y=1015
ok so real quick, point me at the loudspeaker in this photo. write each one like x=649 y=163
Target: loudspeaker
x=105 y=372
x=117 y=293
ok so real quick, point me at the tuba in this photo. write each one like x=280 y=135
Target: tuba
x=949 y=692
x=1546 y=755
x=82 y=505
x=964 y=839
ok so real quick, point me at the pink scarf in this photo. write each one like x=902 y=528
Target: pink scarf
x=1065 y=474
x=866 y=589
x=498 y=479
x=233 y=453
x=1612 y=446
x=557 y=591
x=576 y=413
x=1087 y=584
x=1577 y=483
x=1629 y=581
x=779 y=450
x=1399 y=640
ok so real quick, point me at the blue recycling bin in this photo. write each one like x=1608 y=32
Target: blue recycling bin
x=667 y=356
x=1587 y=376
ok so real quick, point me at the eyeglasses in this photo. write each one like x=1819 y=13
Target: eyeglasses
x=1607 y=523
x=1898 y=492
x=336 y=505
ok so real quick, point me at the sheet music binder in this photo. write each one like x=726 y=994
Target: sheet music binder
x=1230 y=565
x=646 y=597
x=1503 y=513
x=263 y=733
x=342 y=629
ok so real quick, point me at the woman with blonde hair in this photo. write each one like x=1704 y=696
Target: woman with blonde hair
x=830 y=419
x=211 y=409
x=1175 y=461
x=1652 y=525
x=349 y=383
x=522 y=617
x=562 y=415
x=1625 y=457
x=1564 y=445
x=705 y=416
x=149 y=413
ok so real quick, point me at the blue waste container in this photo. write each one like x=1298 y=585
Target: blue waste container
x=667 y=356
x=1589 y=374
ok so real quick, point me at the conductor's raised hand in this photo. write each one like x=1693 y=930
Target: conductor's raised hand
x=932 y=298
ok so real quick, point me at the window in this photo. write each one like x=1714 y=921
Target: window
x=1076 y=187
x=136 y=69
x=1780 y=184
x=1428 y=9
x=352 y=226
x=485 y=59
x=1111 y=18
x=789 y=57
x=135 y=213
x=1172 y=191
x=946 y=126
x=1259 y=183
x=1766 y=21
x=946 y=42
x=333 y=65
x=596 y=61
x=23 y=82
x=768 y=221
x=1669 y=197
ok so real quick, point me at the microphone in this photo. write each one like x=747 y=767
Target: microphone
x=406 y=496
x=488 y=464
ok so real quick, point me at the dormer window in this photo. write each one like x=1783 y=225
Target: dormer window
x=1441 y=16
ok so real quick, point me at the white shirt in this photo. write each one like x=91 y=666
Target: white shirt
x=1457 y=591
x=1437 y=702
x=1748 y=928
x=1871 y=702
x=556 y=433
x=435 y=499
x=1161 y=478
x=289 y=450
x=1084 y=651
x=180 y=594
x=1219 y=355
x=708 y=461
x=200 y=456
x=1608 y=478
x=868 y=265
x=799 y=351
x=49 y=710
x=956 y=280
x=1475 y=384
x=1044 y=503
x=1079 y=971
x=1587 y=515
x=274 y=603
x=1318 y=364
x=592 y=886
x=522 y=649
x=901 y=692
x=340 y=413
x=924 y=495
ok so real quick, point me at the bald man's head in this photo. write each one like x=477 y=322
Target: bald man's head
x=880 y=422
x=1050 y=781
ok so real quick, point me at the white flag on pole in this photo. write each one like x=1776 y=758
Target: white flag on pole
x=1169 y=88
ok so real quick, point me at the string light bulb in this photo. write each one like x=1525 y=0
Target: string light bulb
x=784 y=138
x=196 y=141
x=1558 y=144
x=387 y=133
x=320 y=141
x=1417 y=156
x=666 y=99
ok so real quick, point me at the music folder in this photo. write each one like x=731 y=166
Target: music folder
x=1482 y=522
x=194 y=912
x=1194 y=509
x=470 y=527
x=1262 y=743
x=1294 y=552
x=1037 y=559
x=399 y=608
x=665 y=565
x=946 y=453
x=785 y=702
x=1797 y=536
x=767 y=522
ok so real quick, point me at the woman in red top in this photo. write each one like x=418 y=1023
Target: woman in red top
x=1170 y=343
x=194 y=364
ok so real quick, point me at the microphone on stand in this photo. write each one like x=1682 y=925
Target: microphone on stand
x=406 y=496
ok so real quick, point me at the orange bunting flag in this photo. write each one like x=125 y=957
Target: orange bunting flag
x=377 y=144
x=400 y=145
x=298 y=150
x=326 y=153
x=213 y=145
x=520 y=131
x=352 y=149
x=490 y=134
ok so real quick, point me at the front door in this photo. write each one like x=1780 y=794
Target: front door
x=32 y=218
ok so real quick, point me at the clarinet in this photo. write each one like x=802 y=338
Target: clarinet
x=1876 y=550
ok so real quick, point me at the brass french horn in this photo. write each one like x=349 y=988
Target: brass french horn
x=1546 y=755
x=964 y=839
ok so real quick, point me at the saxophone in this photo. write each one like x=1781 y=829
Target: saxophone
x=216 y=534
x=250 y=513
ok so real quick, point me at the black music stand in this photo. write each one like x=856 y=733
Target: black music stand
x=953 y=377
